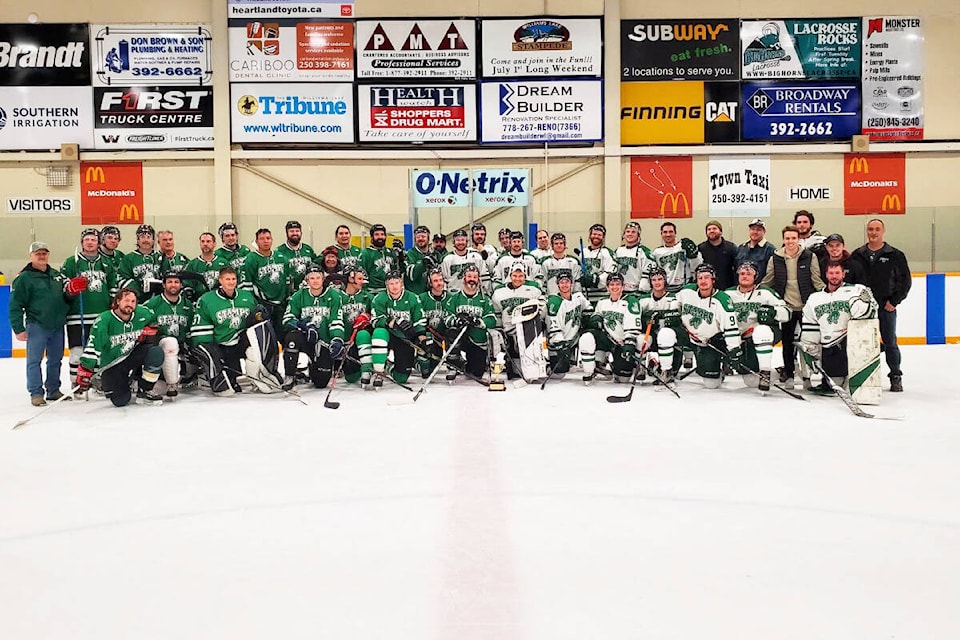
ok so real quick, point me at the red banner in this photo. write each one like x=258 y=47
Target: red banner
x=661 y=187
x=874 y=184
x=111 y=193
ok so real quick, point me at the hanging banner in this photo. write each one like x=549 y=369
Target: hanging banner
x=542 y=111
x=680 y=49
x=679 y=112
x=453 y=188
x=661 y=187
x=152 y=117
x=521 y=47
x=417 y=113
x=800 y=111
x=435 y=49
x=739 y=187
x=111 y=193
x=154 y=54
x=893 y=78
x=296 y=112
x=874 y=184
x=32 y=205
x=43 y=118
x=808 y=49
x=285 y=50
x=44 y=55
x=257 y=9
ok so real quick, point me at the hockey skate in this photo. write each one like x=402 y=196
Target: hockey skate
x=764 y=382
x=378 y=381
x=173 y=391
x=149 y=398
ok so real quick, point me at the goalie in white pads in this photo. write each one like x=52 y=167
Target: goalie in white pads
x=519 y=300
x=566 y=312
x=824 y=323
x=615 y=329
x=759 y=314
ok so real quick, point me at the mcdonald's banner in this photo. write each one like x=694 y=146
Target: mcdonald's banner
x=661 y=187
x=874 y=184
x=111 y=193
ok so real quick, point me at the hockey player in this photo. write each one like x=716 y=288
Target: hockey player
x=170 y=258
x=97 y=298
x=660 y=308
x=615 y=329
x=123 y=346
x=440 y=247
x=433 y=302
x=479 y=237
x=174 y=313
x=556 y=262
x=543 y=245
x=267 y=277
x=228 y=326
x=710 y=321
x=232 y=251
x=207 y=264
x=633 y=259
x=349 y=254
x=759 y=314
x=398 y=326
x=515 y=252
x=506 y=299
x=356 y=306
x=824 y=325
x=378 y=260
x=455 y=263
x=679 y=259
x=419 y=262
x=314 y=326
x=568 y=314
x=600 y=263
x=504 y=236
x=470 y=308
x=109 y=241
x=297 y=254
x=810 y=238
x=140 y=269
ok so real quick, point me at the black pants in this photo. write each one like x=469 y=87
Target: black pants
x=476 y=357
x=403 y=358
x=116 y=379
x=220 y=364
x=321 y=363
x=789 y=342
x=834 y=359
x=888 y=335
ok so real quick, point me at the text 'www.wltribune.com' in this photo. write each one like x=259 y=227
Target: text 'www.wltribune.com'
x=292 y=128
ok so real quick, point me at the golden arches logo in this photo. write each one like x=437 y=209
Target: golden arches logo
x=94 y=174
x=891 y=202
x=129 y=212
x=675 y=200
x=859 y=165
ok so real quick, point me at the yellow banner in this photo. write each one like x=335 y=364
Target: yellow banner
x=661 y=113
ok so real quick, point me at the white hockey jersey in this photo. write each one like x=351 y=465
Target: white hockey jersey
x=454 y=265
x=621 y=319
x=501 y=271
x=564 y=317
x=632 y=263
x=680 y=269
x=551 y=266
x=825 y=314
x=600 y=262
x=649 y=305
x=703 y=318
x=746 y=305
x=506 y=298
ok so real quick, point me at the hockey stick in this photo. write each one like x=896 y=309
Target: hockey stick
x=636 y=369
x=432 y=356
x=840 y=391
x=347 y=356
x=83 y=341
x=333 y=379
x=66 y=396
x=436 y=369
x=756 y=373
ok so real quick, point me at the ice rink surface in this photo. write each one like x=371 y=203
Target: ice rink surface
x=528 y=514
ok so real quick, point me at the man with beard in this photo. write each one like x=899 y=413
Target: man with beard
x=470 y=308
x=486 y=251
x=433 y=302
x=599 y=262
x=356 y=305
x=174 y=313
x=377 y=260
x=140 y=269
x=297 y=254
x=314 y=326
x=720 y=253
x=514 y=253
x=455 y=263
x=633 y=259
x=420 y=260
x=207 y=265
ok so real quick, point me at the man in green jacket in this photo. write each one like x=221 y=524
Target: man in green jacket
x=39 y=304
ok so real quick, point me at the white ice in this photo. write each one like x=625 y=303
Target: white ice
x=528 y=514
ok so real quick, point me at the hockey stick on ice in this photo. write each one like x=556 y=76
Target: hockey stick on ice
x=66 y=396
x=636 y=369
x=726 y=358
x=336 y=372
x=436 y=369
x=840 y=391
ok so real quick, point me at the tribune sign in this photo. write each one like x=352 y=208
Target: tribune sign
x=307 y=112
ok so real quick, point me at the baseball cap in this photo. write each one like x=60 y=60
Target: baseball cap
x=757 y=222
x=38 y=246
x=835 y=237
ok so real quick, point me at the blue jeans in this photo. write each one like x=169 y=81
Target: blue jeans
x=40 y=339
x=888 y=334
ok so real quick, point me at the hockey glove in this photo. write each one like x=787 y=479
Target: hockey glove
x=362 y=321
x=767 y=315
x=84 y=376
x=736 y=357
x=595 y=322
x=149 y=335
x=336 y=349
x=589 y=280
x=429 y=262
x=484 y=254
x=669 y=318
x=309 y=330
x=397 y=245
x=865 y=296
x=689 y=247
x=152 y=286
x=465 y=319
x=260 y=314
x=403 y=327
x=629 y=351
x=76 y=285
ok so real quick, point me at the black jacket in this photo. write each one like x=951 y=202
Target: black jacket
x=853 y=271
x=723 y=258
x=888 y=274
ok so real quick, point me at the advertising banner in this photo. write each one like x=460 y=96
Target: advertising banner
x=542 y=111
x=808 y=49
x=739 y=187
x=679 y=112
x=31 y=205
x=136 y=54
x=45 y=117
x=153 y=117
x=680 y=49
x=521 y=47
x=800 y=111
x=111 y=193
x=893 y=78
x=432 y=49
x=256 y=9
x=299 y=112
x=417 y=113
x=661 y=187
x=453 y=188
x=874 y=184
x=285 y=50
x=44 y=55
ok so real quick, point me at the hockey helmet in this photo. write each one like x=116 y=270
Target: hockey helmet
x=614 y=277
x=564 y=275
x=422 y=229
x=109 y=230
x=656 y=270
x=478 y=226
x=460 y=233
x=394 y=274
x=292 y=224
x=377 y=227
x=557 y=236
x=749 y=264
x=226 y=226
x=518 y=265
x=146 y=230
x=707 y=268
x=598 y=227
x=90 y=231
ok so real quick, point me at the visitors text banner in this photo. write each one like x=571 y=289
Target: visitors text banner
x=417 y=113
x=808 y=49
x=290 y=50
x=739 y=187
x=893 y=78
x=542 y=111
x=550 y=46
x=152 y=54
x=257 y=9
x=874 y=184
x=661 y=187
x=687 y=49
x=435 y=49
x=111 y=193
x=296 y=112
x=43 y=118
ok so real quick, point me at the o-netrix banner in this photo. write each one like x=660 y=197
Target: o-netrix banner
x=434 y=49
x=48 y=55
x=680 y=49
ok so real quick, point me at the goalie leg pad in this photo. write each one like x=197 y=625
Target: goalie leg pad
x=171 y=359
x=261 y=357
x=531 y=343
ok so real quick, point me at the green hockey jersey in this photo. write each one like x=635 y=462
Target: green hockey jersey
x=297 y=261
x=479 y=306
x=220 y=319
x=173 y=318
x=266 y=277
x=323 y=310
x=111 y=339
